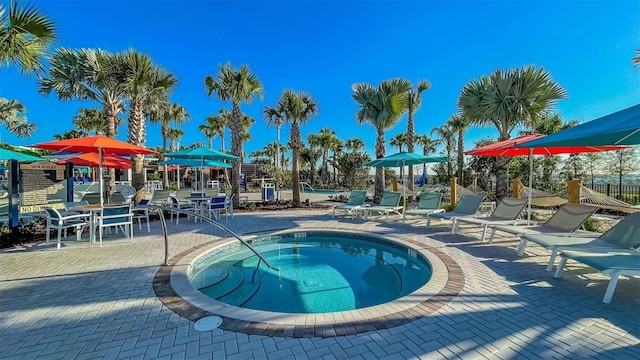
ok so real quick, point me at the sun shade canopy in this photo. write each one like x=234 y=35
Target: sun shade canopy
x=521 y=145
x=405 y=159
x=92 y=144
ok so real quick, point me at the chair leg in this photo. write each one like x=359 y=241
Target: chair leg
x=563 y=262
x=612 y=286
x=147 y=219
x=484 y=232
x=48 y=235
x=493 y=234
x=428 y=221
x=523 y=243
x=59 y=234
x=552 y=259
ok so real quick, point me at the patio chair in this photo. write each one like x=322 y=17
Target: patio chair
x=506 y=213
x=624 y=236
x=91 y=198
x=356 y=201
x=429 y=203
x=160 y=197
x=176 y=204
x=140 y=212
x=117 y=198
x=115 y=216
x=215 y=206
x=69 y=205
x=466 y=206
x=612 y=264
x=61 y=223
x=566 y=220
x=390 y=203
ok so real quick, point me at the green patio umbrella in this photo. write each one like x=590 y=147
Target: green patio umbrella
x=619 y=128
x=195 y=163
x=402 y=159
x=201 y=154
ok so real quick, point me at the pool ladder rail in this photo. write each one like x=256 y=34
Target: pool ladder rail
x=163 y=222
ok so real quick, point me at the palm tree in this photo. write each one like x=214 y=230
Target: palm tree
x=507 y=99
x=25 y=35
x=446 y=135
x=146 y=87
x=636 y=59
x=273 y=118
x=381 y=107
x=459 y=123
x=247 y=122
x=399 y=140
x=12 y=116
x=428 y=147
x=238 y=86
x=336 y=147
x=209 y=132
x=71 y=134
x=315 y=142
x=174 y=135
x=88 y=74
x=296 y=109
x=256 y=155
x=89 y=120
x=165 y=115
x=327 y=139
x=216 y=124
x=354 y=144
x=414 y=100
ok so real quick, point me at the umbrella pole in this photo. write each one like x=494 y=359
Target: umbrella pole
x=530 y=186
x=100 y=177
x=202 y=174
x=178 y=175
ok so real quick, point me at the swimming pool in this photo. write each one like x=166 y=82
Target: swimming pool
x=319 y=272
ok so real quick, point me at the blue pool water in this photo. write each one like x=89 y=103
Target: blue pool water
x=319 y=272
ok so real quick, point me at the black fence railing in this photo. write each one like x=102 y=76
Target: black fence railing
x=627 y=193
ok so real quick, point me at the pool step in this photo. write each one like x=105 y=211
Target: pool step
x=210 y=276
x=244 y=293
x=231 y=283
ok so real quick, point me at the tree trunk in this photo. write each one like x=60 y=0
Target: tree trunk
x=137 y=136
x=379 y=185
x=224 y=171
x=461 y=157
x=210 y=143
x=502 y=181
x=236 y=133
x=410 y=144
x=111 y=114
x=295 y=173
x=312 y=168
x=164 y=129
x=325 y=165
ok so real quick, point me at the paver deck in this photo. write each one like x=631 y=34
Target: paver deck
x=86 y=302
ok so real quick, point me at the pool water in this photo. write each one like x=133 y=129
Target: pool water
x=318 y=273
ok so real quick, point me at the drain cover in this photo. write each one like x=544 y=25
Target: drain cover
x=208 y=323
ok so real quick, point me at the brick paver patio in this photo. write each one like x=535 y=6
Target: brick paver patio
x=85 y=302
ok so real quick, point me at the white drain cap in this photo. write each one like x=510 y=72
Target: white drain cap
x=208 y=323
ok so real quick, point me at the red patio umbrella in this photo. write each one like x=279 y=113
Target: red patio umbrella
x=92 y=160
x=512 y=147
x=99 y=144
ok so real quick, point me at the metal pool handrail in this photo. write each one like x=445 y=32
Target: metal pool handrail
x=163 y=222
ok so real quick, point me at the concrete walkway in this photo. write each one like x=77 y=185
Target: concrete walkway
x=86 y=302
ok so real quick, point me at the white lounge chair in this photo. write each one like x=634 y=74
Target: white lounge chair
x=506 y=213
x=612 y=264
x=429 y=203
x=356 y=201
x=567 y=219
x=624 y=236
x=390 y=203
x=466 y=206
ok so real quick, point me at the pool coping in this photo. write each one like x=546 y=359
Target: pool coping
x=173 y=288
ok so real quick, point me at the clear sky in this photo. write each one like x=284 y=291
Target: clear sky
x=324 y=47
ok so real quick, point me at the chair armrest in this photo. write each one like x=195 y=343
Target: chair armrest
x=71 y=217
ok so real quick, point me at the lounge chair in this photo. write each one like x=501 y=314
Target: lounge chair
x=566 y=220
x=356 y=201
x=429 y=203
x=506 y=213
x=612 y=264
x=390 y=203
x=624 y=236
x=467 y=206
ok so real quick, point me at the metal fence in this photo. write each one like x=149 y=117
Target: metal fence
x=627 y=193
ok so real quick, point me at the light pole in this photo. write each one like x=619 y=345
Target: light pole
x=277 y=188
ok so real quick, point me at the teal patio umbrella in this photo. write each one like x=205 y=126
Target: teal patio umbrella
x=619 y=128
x=13 y=155
x=402 y=159
x=201 y=154
x=201 y=164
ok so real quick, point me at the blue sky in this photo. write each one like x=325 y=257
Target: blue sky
x=325 y=47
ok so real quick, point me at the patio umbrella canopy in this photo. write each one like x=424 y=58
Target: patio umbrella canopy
x=619 y=128
x=13 y=155
x=99 y=144
x=520 y=146
x=404 y=158
x=201 y=154
x=92 y=160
